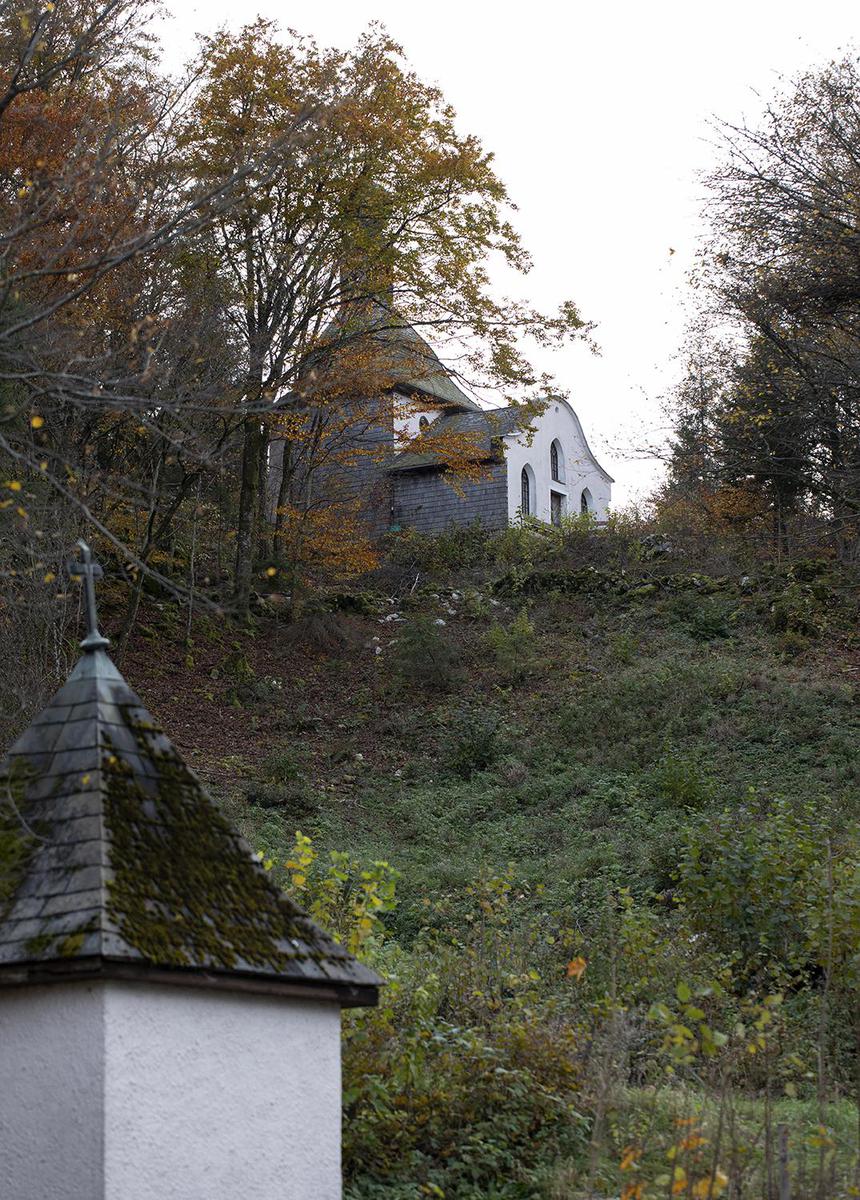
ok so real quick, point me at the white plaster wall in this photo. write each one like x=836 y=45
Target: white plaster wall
x=581 y=471
x=121 y=1091
x=51 y=1093
x=220 y=1095
x=407 y=422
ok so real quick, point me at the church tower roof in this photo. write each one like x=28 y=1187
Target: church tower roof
x=120 y=865
x=403 y=353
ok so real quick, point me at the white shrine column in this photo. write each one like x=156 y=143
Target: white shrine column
x=169 y=1020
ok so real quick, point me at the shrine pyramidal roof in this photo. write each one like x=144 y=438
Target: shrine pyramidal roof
x=123 y=867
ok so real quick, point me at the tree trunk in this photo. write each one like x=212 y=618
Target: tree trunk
x=263 y=539
x=282 y=499
x=248 y=530
x=145 y=550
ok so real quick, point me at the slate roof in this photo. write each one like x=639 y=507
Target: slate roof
x=483 y=426
x=126 y=867
x=426 y=373
x=414 y=364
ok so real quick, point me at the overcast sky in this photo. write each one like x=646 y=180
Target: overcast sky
x=598 y=115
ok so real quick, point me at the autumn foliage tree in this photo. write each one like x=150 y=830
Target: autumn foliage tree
x=189 y=267
x=115 y=363
x=386 y=204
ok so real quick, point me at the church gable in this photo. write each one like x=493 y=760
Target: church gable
x=540 y=466
x=552 y=473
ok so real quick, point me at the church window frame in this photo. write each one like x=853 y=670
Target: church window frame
x=586 y=502
x=526 y=492
x=556 y=462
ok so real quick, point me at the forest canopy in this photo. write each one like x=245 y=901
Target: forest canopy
x=767 y=424
x=174 y=253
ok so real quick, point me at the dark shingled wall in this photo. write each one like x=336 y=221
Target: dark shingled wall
x=366 y=479
x=425 y=501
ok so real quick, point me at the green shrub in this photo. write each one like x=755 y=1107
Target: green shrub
x=513 y=647
x=798 y=610
x=283 y=765
x=473 y=742
x=282 y=783
x=460 y=547
x=793 y=644
x=681 y=782
x=363 y=604
x=425 y=656
x=329 y=632
x=463 y=1083
x=457 y=1111
x=704 y=617
x=523 y=545
x=754 y=881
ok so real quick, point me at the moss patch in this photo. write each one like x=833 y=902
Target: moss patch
x=16 y=842
x=184 y=891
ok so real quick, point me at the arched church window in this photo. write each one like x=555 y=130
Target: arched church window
x=586 y=504
x=423 y=423
x=556 y=461
x=525 y=487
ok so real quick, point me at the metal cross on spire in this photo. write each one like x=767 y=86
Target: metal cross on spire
x=89 y=571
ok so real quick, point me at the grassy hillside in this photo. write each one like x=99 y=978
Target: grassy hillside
x=568 y=719
x=620 y=796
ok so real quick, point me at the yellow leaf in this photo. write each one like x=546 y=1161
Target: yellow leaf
x=49 y=577
x=679 y=1184
x=14 y=485
x=37 y=422
x=710 y=1189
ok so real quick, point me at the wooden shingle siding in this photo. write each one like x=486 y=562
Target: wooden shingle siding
x=426 y=501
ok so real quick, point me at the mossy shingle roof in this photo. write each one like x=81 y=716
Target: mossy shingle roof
x=123 y=864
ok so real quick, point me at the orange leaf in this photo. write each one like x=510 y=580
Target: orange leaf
x=629 y=1157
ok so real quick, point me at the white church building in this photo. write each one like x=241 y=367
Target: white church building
x=528 y=464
